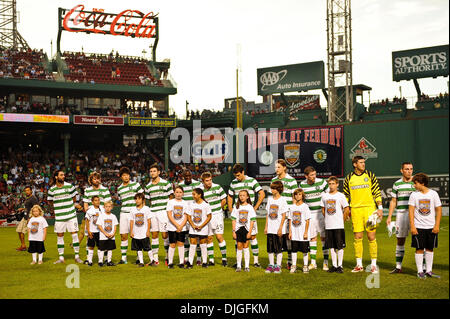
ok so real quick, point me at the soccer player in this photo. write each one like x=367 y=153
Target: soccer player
x=126 y=192
x=95 y=189
x=299 y=217
x=37 y=232
x=425 y=212
x=177 y=209
x=107 y=225
x=216 y=198
x=401 y=191
x=199 y=216
x=61 y=197
x=140 y=223
x=335 y=211
x=362 y=191
x=244 y=182
x=188 y=184
x=92 y=215
x=243 y=220
x=314 y=188
x=276 y=215
x=158 y=191
x=289 y=186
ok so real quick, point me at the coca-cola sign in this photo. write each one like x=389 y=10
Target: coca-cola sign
x=129 y=23
x=98 y=120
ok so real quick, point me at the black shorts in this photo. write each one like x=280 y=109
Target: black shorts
x=300 y=246
x=199 y=237
x=335 y=238
x=92 y=242
x=273 y=244
x=241 y=235
x=36 y=247
x=140 y=244
x=425 y=239
x=286 y=244
x=107 y=244
x=175 y=237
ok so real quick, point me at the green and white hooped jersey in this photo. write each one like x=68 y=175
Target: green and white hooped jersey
x=126 y=195
x=214 y=197
x=102 y=192
x=158 y=194
x=313 y=194
x=187 y=189
x=401 y=191
x=289 y=186
x=62 y=198
x=249 y=183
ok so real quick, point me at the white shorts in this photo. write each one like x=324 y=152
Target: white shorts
x=402 y=225
x=216 y=226
x=70 y=226
x=124 y=223
x=316 y=225
x=159 y=222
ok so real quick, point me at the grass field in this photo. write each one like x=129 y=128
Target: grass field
x=19 y=279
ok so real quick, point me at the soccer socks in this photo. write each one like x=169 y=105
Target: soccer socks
x=181 y=253
x=325 y=253
x=100 y=256
x=340 y=254
x=34 y=255
x=123 y=249
x=204 y=253
x=279 y=259
x=313 y=251
x=305 y=259
x=40 y=257
x=255 y=250
x=429 y=260
x=238 y=258
x=373 y=249
x=358 y=243
x=210 y=248
x=294 y=259
x=109 y=255
x=140 y=256
x=171 y=253
x=199 y=254
x=91 y=255
x=166 y=246
x=150 y=255
x=419 y=262
x=271 y=259
x=247 y=257
x=186 y=249
x=223 y=249
x=60 y=245
x=76 y=245
x=334 y=257
x=399 y=253
x=155 y=248
x=192 y=249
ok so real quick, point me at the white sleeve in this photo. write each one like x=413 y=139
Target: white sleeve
x=322 y=200
x=344 y=202
x=234 y=213
x=412 y=199
x=169 y=206
x=307 y=213
x=436 y=199
x=44 y=223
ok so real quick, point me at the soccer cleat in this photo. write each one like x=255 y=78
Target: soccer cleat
x=332 y=269
x=358 y=269
x=325 y=267
x=110 y=264
x=40 y=262
x=137 y=262
x=188 y=265
x=269 y=269
x=421 y=275
x=21 y=249
x=374 y=269
x=181 y=266
x=247 y=269
x=211 y=263
x=78 y=260
x=396 y=271
x=100 y=264
x=288 y=266
x=123 y=262
x=59 y=261
x=170 y=266
x=141 y=265
x=339 y=270
x=293 y=269
x=224 y=263
x=235 y=266
x=155 y=263
x=311 y=267
x=256 y=265
x=238 y=269
x=431 y=274
x=199 y=262
x=305 y=269
x=166 y=262
x=89 y=264
x=86 y=262
x=32 y=263
x=204 y=265
x=277 y=269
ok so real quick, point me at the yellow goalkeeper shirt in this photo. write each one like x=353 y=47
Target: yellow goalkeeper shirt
x=362 y=190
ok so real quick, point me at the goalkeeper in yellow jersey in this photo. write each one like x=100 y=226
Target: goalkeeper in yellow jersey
x=363 y=194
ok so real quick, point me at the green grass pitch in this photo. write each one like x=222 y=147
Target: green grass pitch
x=19 y=279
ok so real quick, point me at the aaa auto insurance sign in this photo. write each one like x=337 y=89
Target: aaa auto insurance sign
x=420 y=63
x=291 y=78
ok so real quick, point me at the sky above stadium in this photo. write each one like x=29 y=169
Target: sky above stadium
x=201 y=38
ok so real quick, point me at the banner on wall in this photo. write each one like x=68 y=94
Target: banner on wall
x=34 y=118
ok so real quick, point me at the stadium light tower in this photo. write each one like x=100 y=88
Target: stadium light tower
x=9 y=36
x=339 y=52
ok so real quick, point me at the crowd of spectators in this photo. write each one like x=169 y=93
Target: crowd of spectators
x=386 y=102
x=24 y=64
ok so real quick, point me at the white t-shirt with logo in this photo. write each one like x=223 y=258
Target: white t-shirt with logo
x=92 y=215
x=107 y=222
x=179 y=210
x=199 y=213
x=275 y=209
x=243 y=216
x=334 y=205
x=36 y=226
x=299 y=214
x=424 y=208
x=140 y=218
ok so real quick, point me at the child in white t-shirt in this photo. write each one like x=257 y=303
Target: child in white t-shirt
x=92 y=214
x=37 y=232
x=107 y=225
x=140 y=223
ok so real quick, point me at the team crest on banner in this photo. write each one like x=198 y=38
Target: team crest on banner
x=139 y=219
x=34 y=227
x=296 y=219
x=273 y=212
x=243 y=217
x=424 y=207
x=108 y=225
x=331 y=207
x=292 y=154
x=177 y=212
x=197 y=216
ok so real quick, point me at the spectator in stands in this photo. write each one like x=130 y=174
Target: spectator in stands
x=113 y=71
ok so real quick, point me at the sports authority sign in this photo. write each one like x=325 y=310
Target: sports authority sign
x=320 y=147
x=420 y=63
x=291 y=78
x=98 y=120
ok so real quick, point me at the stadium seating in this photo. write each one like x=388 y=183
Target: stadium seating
x=29 y=64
